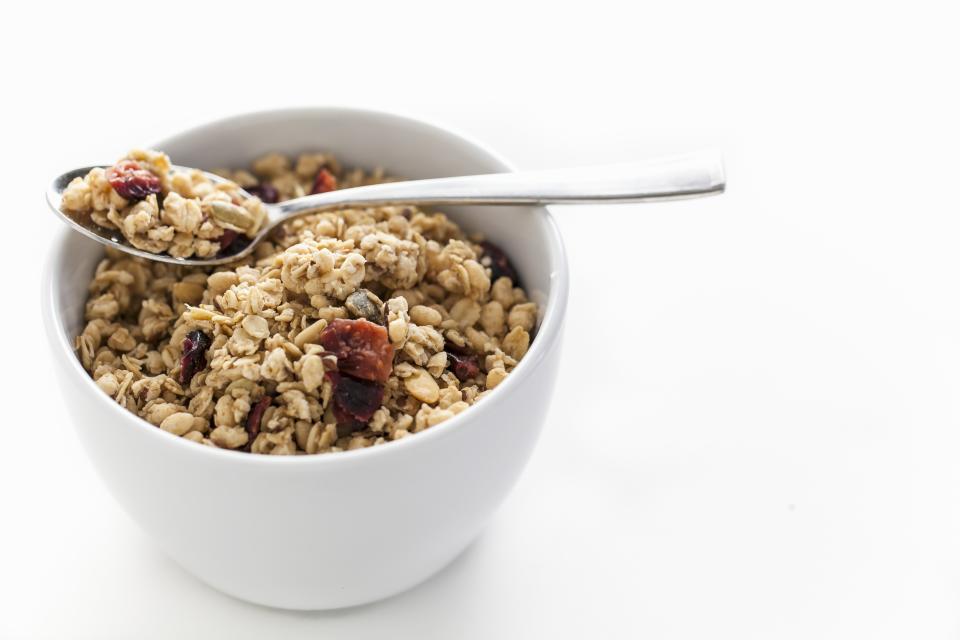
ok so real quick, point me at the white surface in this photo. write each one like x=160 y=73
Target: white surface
x=213 y=514
x=770 y=451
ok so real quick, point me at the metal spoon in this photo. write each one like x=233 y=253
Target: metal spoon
x=684 y=176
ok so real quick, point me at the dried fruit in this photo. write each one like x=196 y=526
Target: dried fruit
x=453 y=347
x=194 y=358
x=499 y=263
x=464 y=366
x=256 y=416
x=346 y=425
x=232 y=242
x=325 y=181
x=362 y=303
x=362 y=348
x=354 y=400
x=229 y=235
x=131 y=181
x=265 y=191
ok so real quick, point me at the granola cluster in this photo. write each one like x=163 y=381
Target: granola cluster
x=344 y=330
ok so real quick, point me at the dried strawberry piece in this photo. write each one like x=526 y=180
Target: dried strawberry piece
x=354 y=400
x=499 y=263
x=325 y=181
x=256 y=416
x=265 y=191
x=194 y=358
x=463 y=366
x=131 y=181
x=362 y=348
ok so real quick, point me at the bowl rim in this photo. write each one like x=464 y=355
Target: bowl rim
x=547 y=337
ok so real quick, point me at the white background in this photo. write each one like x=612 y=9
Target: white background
x=755 y=432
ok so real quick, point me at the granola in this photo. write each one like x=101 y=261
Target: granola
x=344 y=330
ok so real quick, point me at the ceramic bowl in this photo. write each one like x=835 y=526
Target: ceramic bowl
x=330 y=530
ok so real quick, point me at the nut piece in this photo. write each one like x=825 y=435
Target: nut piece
x=311 y=372
x=310 y=335
x=229 y=437
x=178 y=423
x=523 y=315
x=516 y=343
x=231 y=214
x=398 y=320
x=362 y=303
x=492 y=318
x=108 y=384
x=221 y=281
x=187 y=293
x=466 y=312
x=495 y=377
x=425 y=316
x=422 y=386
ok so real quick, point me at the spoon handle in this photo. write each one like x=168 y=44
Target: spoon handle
x=684 y=176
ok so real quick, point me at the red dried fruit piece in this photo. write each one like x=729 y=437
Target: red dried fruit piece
x=194 y=358
x=354 y=400
x=345 y=428
x=232 y=242
x=499 y=262
x=265 y=191
x=131 y=181
x=463 y=366
x=256 y=416
x=362 y=348
x=453 y=347
x=325 y=181
x=229 y=235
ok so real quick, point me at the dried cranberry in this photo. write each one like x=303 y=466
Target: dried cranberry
x=354 y=400
x=362 y=348
x=265 y=191
x=499 y=262
x=463 y=366
x=325 y=181
x=347 y=425
x=256 y=416
x=232 y=243
x=131 y=181
x=453 y=347
x=229 y=235
x=194 y=357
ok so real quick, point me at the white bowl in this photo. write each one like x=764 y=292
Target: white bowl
x=331 y=530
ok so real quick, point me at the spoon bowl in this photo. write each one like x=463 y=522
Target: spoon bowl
x=113 y=237
x=690 y=175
